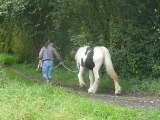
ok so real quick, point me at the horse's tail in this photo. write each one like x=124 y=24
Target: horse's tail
x=108 y=65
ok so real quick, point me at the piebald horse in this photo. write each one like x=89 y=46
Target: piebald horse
x=92 y=59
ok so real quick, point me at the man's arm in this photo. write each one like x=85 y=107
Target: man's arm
x=56 y=54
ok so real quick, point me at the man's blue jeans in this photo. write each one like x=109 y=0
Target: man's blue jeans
x=47 y=69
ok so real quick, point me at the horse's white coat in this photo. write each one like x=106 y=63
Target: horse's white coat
x=101 y=56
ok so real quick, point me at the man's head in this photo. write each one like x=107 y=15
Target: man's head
x=47 y=43
x=51 y=44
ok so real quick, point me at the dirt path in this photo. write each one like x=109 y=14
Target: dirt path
x=129 y=100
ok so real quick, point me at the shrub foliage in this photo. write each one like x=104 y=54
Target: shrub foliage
x=130 y=30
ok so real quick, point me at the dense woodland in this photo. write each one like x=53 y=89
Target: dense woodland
x=130 y=29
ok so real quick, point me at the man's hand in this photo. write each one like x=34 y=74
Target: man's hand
x=61 y=63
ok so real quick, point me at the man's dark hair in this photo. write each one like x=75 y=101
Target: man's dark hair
x=47 y=43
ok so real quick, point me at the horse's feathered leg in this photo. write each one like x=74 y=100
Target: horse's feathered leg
x=91 y=77
x=94 y=87
x=80 y=77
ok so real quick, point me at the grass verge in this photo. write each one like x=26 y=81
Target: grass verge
x=25 y=99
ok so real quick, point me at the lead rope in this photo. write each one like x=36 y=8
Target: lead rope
x=61 y=63
x=57 y=65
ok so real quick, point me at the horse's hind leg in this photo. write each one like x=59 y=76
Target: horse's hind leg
x=94 y=87
x=80 y=77
x=91 y=78
x=114 y=77
x=117 y=88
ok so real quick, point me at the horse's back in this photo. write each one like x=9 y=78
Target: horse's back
x=99 y=52
x=80 y=53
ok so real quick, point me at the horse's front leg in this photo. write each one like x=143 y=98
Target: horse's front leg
x=94 y=87
x=91 y=78
x=80 y=77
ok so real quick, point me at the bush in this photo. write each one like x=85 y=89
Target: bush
x=6 y=59
x=134 y=50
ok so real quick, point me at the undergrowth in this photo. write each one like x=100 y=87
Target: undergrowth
x=6 y=59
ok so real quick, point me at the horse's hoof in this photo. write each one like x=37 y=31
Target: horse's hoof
x=117 y=92
x=91 y=91
x=82 y=84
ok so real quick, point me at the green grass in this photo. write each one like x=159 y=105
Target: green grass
x=31 y=100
